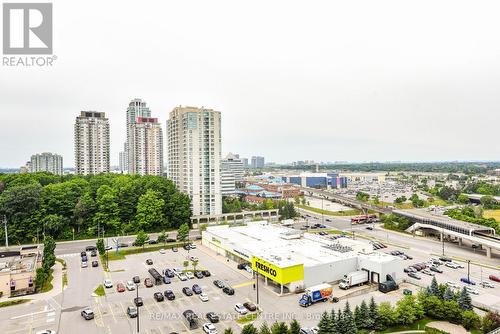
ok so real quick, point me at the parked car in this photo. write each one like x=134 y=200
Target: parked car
x=182 y=277
x=471 y=290
x=169 y=273
x=87 y=314
x=494 y=278
x=451 y=265
x=149 y=262
x=108 y=248
x=46 y=331
x=130 y=285
x=120 y=287
x=138 y=301
x=196 y=289
x=193 y=258
x=467 y=281
x=445 y=259
x=158 y=296
x=169 y=294
x=204 y=297
x=82 y=254
x=250 y=306
x=132 y=311
x=242 y=265
x=240 y=309
x=95 y=263
x=189 y=275
x=148 y=283
x=108 y=283
x=84 y=258
x=166 y=280
x=436 y=269
x=428 y=272
x=90 y=248
x=122 y=244
x=84 y=264
x=209 y=328
x=198 y=274
x=153 y=242
x=461 y=266
x=452 y=284
x=212 y=317
x=187 y=291
x=219 y=284
x=162 y=251
x=414 y=275
x=486 y=284
x=93 y=253
x=174 y=249
x=205 y=273
x=228 y=290
x=369 y=228
x=136 y=279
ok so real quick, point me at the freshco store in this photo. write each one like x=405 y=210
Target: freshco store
x=290 y=260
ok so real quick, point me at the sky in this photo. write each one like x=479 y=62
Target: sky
x=294 y=80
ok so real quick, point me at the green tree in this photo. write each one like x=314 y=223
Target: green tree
x=464 y=300
x=365 y=316
x=162 y=237
x=194 y=263
x=324 y=324
x=490 y=322
x=183 y=233
x=294 y=327
x=100 y=246
x=228 y=330
x=470 y=320
x=249 y=329
x=332 y=323
x=107 y=214
x=407 y=310
x=348 y=320
x=264 y=329
x=149 y=210
x=279 y=328
x=463 y=199
x=362 y=196
x=373 y=310
x=452 y=312
x=141 y=238
x=357 y=317
x=41 y=279
x=434 y=288
x=386 y=316
x=339 y=322
x=448 y=294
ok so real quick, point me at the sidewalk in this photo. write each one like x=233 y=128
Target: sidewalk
x=56 y=287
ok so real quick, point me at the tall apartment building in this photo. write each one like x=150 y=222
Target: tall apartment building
x=245 y=162
x=46 y=162
x=143 y=151
x=194 y=156
x=257 y=162
x=227 y=182
x=91 y=143
x=147 y=147
x=233 y=163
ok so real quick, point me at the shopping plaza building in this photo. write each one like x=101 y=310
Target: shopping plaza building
x=292 y=260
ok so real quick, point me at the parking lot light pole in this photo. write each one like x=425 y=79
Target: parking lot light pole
x=257 y=285
x=137 y=290
x=468 y=270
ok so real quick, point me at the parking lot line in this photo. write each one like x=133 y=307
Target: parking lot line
x=112 y=313
x=243 y=284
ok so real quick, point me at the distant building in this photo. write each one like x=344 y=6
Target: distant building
x=244 y=161
x=234 y=165
x=91 y=143
x=257 y=162
x=194 y=157
x=317 y=180
x=18 y=271
x=46 y=162
x=146 y=138
x=228 y=183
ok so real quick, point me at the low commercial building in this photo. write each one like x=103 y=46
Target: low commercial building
x=18 y=271
x=317 y=180
x=292 y=260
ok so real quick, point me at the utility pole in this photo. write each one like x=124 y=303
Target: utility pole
x=468 y=270
x=257 y=284
x=137 y=290
x=6 y=232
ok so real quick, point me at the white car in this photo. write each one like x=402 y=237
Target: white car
x=427 y=272
x=486 y=285
x=108 y=283
x=240 y=309
x=130 y=285
x=452 y=284
x=451 y=265
x=182 y=277
x=46 y=331
x=249 y=269
x=461 y=266
x=203 y=296
x=108 y=248
x=162 y=251
x=209 y=328
x=192 y=246
x=84 y=264
x=189 y=275
x=471 y=290
x=193 y=258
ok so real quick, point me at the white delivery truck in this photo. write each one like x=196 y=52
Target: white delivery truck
x=354 y=278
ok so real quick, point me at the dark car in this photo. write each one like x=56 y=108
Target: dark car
x=138 y=301
x=467 y=281
x=198 y=274
x=95 y=263
x=369 y=228
x=242 y=265
x=187 y=291
x=87 y=314
x=148 y=283
x=171 y=240
x=196 y=289
x=166 y=280
x=93 y=253
x=228 y=290
x=169 y=273
x=414 y=275
x=445 y=259
x=250 y=306
x=205 y=273
x=219 y=284
x=90 y=248
x=136 y=279
x=82 y=254
x=84 y=258
x=187 y=247
x=174 y=249
x=158 y=296
x=132 y=312
x=436 y=269
x=149 y=262
x=122 y=244
x=153 y=242
x=169 y=294
x=212 y=317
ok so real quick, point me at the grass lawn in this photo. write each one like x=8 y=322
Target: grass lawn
x=65 y=274
x=122 y=253
x=415 y=326
x=247 y=318
x=100 y=290
x=492 y=214
x=352 y=212
x=14 y=302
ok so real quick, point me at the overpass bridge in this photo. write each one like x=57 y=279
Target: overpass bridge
x=475 y=233
x=350 y=202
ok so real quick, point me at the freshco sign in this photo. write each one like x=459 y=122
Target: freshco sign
x=263 y=268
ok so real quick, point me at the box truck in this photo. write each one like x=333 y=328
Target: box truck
x=353 y=279
x=315 y=294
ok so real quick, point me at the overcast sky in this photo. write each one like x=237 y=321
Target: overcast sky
x=294 y=80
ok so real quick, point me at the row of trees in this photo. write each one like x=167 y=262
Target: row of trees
x=234 y=204
x=276 y=328
x=395 y=222
x=43 y=274
x=470 y=215
x=68 y=206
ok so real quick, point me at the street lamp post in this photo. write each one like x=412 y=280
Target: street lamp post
x=137 y=290
x=468 y=270
x=6 y=232
x=257 y=290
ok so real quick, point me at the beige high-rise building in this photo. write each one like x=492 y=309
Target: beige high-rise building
x=46 y=162
x=194 y=156
x=91 y=143
x=146 y=147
